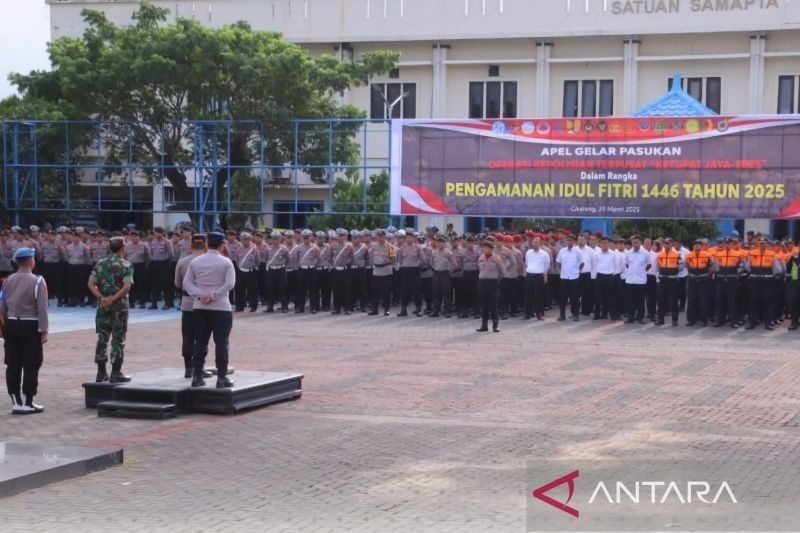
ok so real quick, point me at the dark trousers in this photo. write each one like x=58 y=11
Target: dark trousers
x=24 y=356
x=306 y=285
x=569 y=290
x=159 y=279
x=668 y=298
x=206 y=324
x=585 y=284
x=169 y=288
x=359 y=291
x=141 y=287
x=458 y=294
x=246 y=289
x=426 y=291
x=76 y=283
x=381 y=292
x=651 y=296
x=697 y=299
x=487 y=296
x=53 y=274
x=442 y=291
x=762 y=300
x=506 y=296
x=534 y=295
x=604 y=296
x=276 y=288
x=341 y=289
x=636 y=300
x=187 y=337
x=619 y=305
x=792 y=287
x=323 y=289
x=262 y=283
x=291 y=284
x=409 y=287
x=469 y=288
x=727 y=299
x=682 y=294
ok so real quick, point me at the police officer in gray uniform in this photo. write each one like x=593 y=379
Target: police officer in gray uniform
x=340 y=253
x=23 y=307
x=276 y=258
x=382 y=255
x=247 y=261
x=198 y=248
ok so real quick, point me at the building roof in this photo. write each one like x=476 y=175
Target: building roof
x=676 y=103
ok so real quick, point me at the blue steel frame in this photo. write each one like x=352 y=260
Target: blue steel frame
x=208 y=142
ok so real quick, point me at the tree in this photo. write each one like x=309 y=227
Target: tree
x=684 y=230
x=355 y=196
x=169 y=81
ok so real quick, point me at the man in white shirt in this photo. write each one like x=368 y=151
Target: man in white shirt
x=637 y=263
x=683 y=275
x=605 y=266
x=651 y=289
x=208 y=280
x=537 y=264
x=586 y=283
x=571 y=261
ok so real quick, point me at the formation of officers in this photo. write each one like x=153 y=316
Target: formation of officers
x=489 y=276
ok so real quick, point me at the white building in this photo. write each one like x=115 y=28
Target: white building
x=538 y=58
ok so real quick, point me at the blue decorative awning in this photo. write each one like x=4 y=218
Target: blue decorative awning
x=676 y=103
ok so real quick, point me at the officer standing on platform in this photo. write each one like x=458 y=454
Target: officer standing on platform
x=340 y=253
x=110 y=282
x=208 y=280
x=23 y=307
x=698 y=265
x=491 y=270
x=198 y=248
x=247 y=276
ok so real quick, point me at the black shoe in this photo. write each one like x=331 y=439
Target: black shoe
x=576 y=318
x=238 y=309
x=562 y=318
x=717 y=324
x=434 y=314
x=769 y=327
x=313 y=311
x=418 y=313
x=793 y=326
x=596 y=317
x=403 y=313
x=336 y=312
x=269 y=310
x=674 y=323
x=116 y=373
x=734 y=325
x=253 y=309
x=142 y=306
x=372 y=313
x=198 y=381
x=462 y=315
x=224 y=383
x=641 y=321
x=386 y=313
x=188 y=372
x=539 y=317
x=102 y=373
x=447 y=315
x=495 y=329
x=284 y=309
x=750 y=326
x=704 y=324
x=153 y=307
x=629 y=321
x=298 y=311
x=659 y=322
x=347 y=312
x=689 y=324
x=482 y=329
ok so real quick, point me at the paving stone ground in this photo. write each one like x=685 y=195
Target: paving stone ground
x=404 y=424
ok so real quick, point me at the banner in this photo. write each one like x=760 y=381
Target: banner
x=665 y=167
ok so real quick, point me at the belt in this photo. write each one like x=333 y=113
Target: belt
x=699 y=276
x=727 y=276
x=23 y=318
x=340 y=268
x=382 y=265
x=664 y=276
x=762 y=276
x=534 y=274
x=306 y=267
x=276 y=268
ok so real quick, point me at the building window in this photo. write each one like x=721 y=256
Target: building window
x=493 y=99
x=707 y=91
x=285 y=216
x=588 y=98
x=486 y=224
x=383 y=94
x=787 y=94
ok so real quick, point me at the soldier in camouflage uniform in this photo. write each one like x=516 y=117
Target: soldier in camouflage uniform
x=110 y=283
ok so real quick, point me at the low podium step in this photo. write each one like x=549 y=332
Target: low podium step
x=126 y=409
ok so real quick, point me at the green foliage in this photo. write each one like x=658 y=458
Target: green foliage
x=160 y=76
x=685 y=230
x=356 y=196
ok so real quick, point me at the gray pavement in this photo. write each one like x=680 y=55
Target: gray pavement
x=405 y=424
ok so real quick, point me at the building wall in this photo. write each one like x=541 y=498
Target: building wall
x=446 y=44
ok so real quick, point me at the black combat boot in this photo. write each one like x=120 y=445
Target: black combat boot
x=102 y=373
x=197 y=377
x=224 y=383
x=188 y=370
x=116 y=373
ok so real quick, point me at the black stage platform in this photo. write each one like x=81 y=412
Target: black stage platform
x=166 y=393
x=29 y=466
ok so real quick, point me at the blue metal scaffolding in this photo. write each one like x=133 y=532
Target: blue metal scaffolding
x=68 y=167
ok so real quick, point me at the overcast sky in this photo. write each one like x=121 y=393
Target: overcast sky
x=24 y=32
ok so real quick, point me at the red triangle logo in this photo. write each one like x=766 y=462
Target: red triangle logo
x=569 y=479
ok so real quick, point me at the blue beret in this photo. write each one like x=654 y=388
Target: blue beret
x=24 y=253
x=217 y=234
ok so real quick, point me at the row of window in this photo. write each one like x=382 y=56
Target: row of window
x=581 y=98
